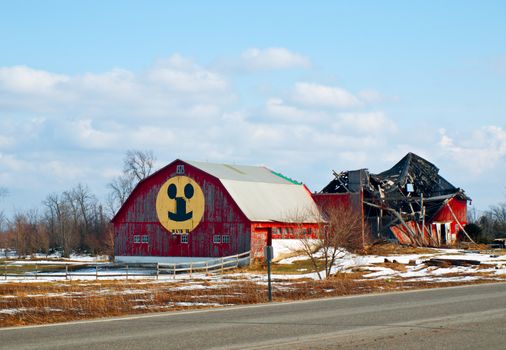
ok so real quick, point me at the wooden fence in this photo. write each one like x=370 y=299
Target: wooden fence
x=67 y=271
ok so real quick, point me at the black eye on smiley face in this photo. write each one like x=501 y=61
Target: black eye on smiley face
x=188 y=191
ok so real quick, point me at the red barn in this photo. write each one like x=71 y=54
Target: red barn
x=190 y=211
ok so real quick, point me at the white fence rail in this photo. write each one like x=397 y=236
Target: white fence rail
x=28 y=270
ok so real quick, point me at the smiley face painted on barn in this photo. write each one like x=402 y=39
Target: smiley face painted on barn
x=180 y=204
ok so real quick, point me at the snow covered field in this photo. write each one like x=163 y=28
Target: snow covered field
x=405 y=267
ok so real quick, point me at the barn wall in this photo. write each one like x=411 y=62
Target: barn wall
x=221 y=217
x=459 y=208
x=259 y=232
x=351 y=200
x=324 y=200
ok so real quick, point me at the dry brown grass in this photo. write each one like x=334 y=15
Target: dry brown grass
x=48 y=302
x=484 y=266
x=475 y=246
x=54 y=302
x=394 y=265
x=391 y=248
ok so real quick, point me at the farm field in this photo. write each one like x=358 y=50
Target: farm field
x=386 y=268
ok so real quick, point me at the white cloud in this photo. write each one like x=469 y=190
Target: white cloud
x=64 y=171
x=6 y=141
x=478 y=152
x=273 y=58
x=265 y=133
x=365 y=122
x=117 y=84
x=173 y=87
x=370 y=96
x=155 y=136
x=180 y=74
x=316 y=95
x=278 y=109
x=9 y=163
x=22 y=79
x=88 y=136
x=30 y=89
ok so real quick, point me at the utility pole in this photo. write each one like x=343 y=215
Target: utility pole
x=268 y=254
x=362 y=213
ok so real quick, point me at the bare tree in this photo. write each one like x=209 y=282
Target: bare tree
x=4 y=238
x=498 y=212
x=493 y=222
x=26 y=235
x=3 y=220
x=60 y=224
x=18 y=232
x=82 y=204
x=340 y=230
x=100 y=240
x=138 y=164
x=121 y=187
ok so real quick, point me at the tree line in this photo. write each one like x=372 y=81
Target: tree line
x=73 y=221
x=489 y=225
x=76 y=221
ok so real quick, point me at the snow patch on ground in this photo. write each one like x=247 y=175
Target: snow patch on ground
x=410 y=268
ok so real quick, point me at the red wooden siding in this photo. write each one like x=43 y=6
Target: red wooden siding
x=222 y=216
x=353 y=200
x=459 y=208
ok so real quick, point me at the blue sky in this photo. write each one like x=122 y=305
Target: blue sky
x=303 y=88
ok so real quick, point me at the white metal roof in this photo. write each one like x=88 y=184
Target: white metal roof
x=239 y=172
x=262 y=194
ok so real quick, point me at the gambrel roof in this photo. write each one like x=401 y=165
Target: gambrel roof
x=262 y=194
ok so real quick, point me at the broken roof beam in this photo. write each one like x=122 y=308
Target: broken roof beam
x=412 y=235
x=338 y=178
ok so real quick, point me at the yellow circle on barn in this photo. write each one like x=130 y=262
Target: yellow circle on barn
x=180 y=204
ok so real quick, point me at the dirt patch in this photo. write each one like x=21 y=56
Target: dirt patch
x=301 y=266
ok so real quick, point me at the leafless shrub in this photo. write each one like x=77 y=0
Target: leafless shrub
x=340 y=229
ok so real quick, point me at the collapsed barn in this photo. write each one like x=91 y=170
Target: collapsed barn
x=410 y=202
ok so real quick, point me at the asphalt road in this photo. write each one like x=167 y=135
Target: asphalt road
x=471 y=317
